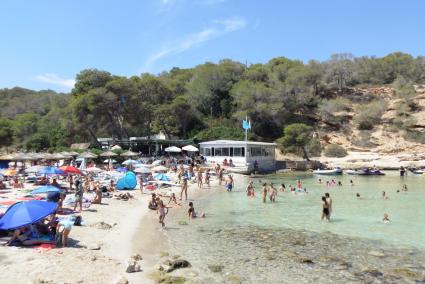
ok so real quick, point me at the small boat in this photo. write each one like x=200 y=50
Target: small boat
x=418 y=171
x=365 y=172
x=336 y=171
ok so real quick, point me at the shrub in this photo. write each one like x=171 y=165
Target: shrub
x=370 y=115
x=415 y=136
x=328 y=108
x=334 y=150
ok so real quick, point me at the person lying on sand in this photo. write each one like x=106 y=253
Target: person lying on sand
x=27 y=236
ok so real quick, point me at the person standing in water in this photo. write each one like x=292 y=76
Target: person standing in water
x=282 y=187
x=249 y=189
x=273 y=193
x=199 y=178
x=229 y=183
x=163 y=211
x=264 y=192
x=325 y=209
x=329 y=201
x=220 y=176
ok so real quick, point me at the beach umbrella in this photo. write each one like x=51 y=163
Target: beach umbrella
x=108 y=154
x=190 y=148
x=33 y=169
x=25 y=213
x=73 y=153
x=156 y=163
x=142 y=170
x=123 y=170
x=45 y=189
x=129 y=154
x=130 y=162
x=10 y=172
x=173 y=149
x=51 y=171
x=159 y=169
x=6 y=157
x=88 y=155
x=162 y=177
x=71 y=170
x=116 y=147
x=94 y=170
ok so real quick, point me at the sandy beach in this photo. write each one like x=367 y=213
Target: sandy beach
x=99 y=251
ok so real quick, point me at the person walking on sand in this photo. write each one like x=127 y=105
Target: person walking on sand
x=79 y=195
x=325 y=209
x=141 y=184
x=229 y=183
x=329 y=201
x=265 y=192
x=184 y=187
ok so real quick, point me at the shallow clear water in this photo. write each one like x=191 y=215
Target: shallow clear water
x=356 y=225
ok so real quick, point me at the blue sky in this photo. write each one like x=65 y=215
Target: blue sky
x=45 y=43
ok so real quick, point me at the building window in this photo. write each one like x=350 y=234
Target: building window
x=207 y=151
x=239 y=152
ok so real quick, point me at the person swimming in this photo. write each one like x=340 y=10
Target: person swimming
x=386 y=218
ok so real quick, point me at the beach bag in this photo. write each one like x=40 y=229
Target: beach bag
x=77 y=221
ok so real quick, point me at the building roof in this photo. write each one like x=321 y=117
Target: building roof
x=234 y=142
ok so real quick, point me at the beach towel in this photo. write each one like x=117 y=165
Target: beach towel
x=29 y=198
x=44 y=247
x=8 y=202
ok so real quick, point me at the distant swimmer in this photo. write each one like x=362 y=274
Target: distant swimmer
x=339 y=183
x=282 y=187
x=358 y=195
x=351 y=182
x=384 y=195
x=250 y=189
x=386 y=218
x=320 y=181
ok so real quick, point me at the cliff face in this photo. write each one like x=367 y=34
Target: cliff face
x=386 y=145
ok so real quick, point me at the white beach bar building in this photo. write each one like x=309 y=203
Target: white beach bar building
x=246 y=156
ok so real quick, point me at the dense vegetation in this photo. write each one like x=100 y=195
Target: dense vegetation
x=209 y=101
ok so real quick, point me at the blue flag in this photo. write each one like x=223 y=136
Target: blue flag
x=246 y=124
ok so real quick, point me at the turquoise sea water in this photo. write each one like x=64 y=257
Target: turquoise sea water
x=355 y=224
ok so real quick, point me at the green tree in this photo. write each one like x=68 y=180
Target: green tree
x=6 y=132
x=296 y=139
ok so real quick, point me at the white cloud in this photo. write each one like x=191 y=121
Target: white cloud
x=54 y=79
x=217 y=28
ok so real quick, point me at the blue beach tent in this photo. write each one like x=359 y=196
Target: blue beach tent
x=25 y=213
x=128 y=182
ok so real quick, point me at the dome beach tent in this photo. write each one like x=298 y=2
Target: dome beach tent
x=128 y=182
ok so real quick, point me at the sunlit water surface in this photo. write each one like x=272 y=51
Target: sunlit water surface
x=239 y=231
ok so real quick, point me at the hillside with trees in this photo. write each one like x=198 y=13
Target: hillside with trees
x=353 y=102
